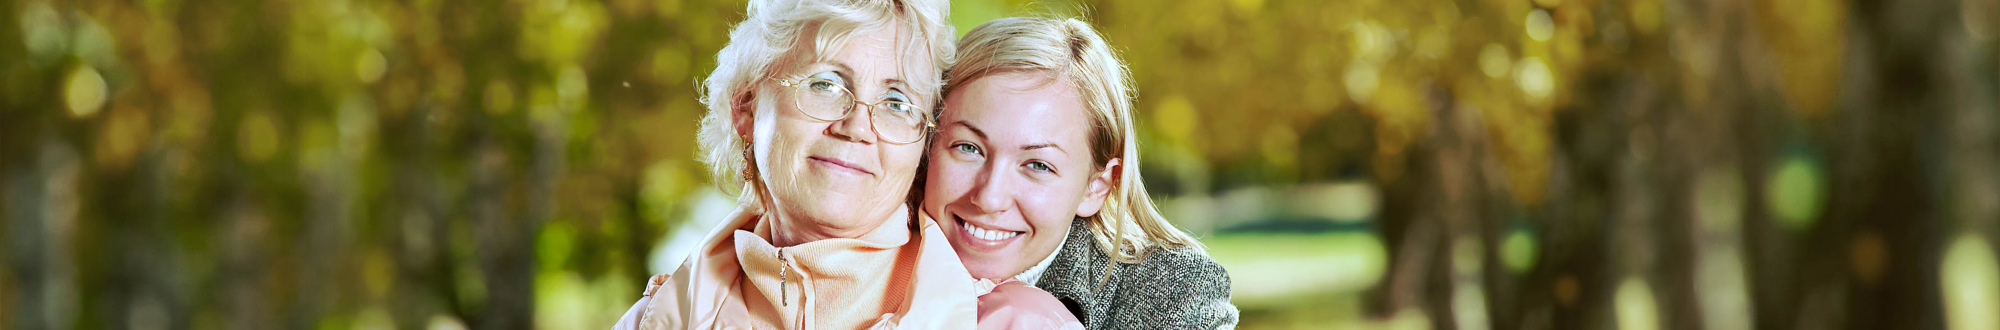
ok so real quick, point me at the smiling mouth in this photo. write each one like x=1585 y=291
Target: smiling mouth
x=989 y=234
x=840 y=164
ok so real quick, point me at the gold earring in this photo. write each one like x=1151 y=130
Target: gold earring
x=749 y=166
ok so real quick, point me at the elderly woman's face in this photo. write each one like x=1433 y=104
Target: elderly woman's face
x=836 y=179
x=1010 y=169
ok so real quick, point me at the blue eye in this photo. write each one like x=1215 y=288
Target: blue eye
x=902 y=109
x=896 y=96
x=1041 y=167
x=822 y=85
x=967 y=148
x=826 y=82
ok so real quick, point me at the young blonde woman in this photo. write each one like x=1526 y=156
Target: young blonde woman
x=819 y=109
x=1033 y=175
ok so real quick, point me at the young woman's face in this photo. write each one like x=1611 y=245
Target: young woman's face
x=1010 y=168
x=835 y=179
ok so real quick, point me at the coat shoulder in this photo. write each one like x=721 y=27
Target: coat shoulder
x=1179 y=288
x=1181 y=273
x=658 y=306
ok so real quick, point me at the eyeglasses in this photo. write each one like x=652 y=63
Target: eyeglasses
x=898 y=122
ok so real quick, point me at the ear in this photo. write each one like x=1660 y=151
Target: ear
x=1100 y=188
x=742 y=114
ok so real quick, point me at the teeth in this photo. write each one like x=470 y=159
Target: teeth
x=988 y=234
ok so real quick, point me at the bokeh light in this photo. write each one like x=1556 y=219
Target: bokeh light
x=1636 y=306
x=1970 y=281
x=1518 y=250
x=1539 y=164
x=85 y=92
x=1793 y=192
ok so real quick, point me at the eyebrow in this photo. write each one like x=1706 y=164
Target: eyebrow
x=845 y=72
x=982 y=136
x=1044 y=145
x=975 y=129
x=848 y=72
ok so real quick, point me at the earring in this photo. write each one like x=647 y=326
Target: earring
x=749 y=156
x=749 y=166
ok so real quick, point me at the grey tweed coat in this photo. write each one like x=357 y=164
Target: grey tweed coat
x=1170 y=289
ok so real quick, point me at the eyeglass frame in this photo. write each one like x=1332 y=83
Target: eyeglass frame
x=928 y=126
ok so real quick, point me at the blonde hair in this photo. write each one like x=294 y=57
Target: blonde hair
x=1128 y=226
x=772 y=29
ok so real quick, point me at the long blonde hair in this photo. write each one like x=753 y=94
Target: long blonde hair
x=1129 y=226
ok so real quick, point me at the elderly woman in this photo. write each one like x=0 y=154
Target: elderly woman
x=1034 y=175
x=819 y=109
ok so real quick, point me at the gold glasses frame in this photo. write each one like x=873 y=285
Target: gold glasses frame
x=800 y=86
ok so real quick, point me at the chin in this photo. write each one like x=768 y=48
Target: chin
x=840 y=215
x=989 y=273
x=984 y=266
x=822 y=202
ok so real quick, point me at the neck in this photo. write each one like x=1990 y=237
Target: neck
x=788 y=231
x=1034 y=273
x=828 y=283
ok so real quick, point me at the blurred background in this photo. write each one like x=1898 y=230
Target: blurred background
x=1411 y=164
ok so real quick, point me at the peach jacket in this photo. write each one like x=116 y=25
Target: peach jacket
x=885 y=279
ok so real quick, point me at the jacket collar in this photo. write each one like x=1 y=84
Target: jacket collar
x=940 y=296
x=1077 y=272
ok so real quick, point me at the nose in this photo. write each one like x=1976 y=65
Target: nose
x=856 y=127
x=991 y=194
